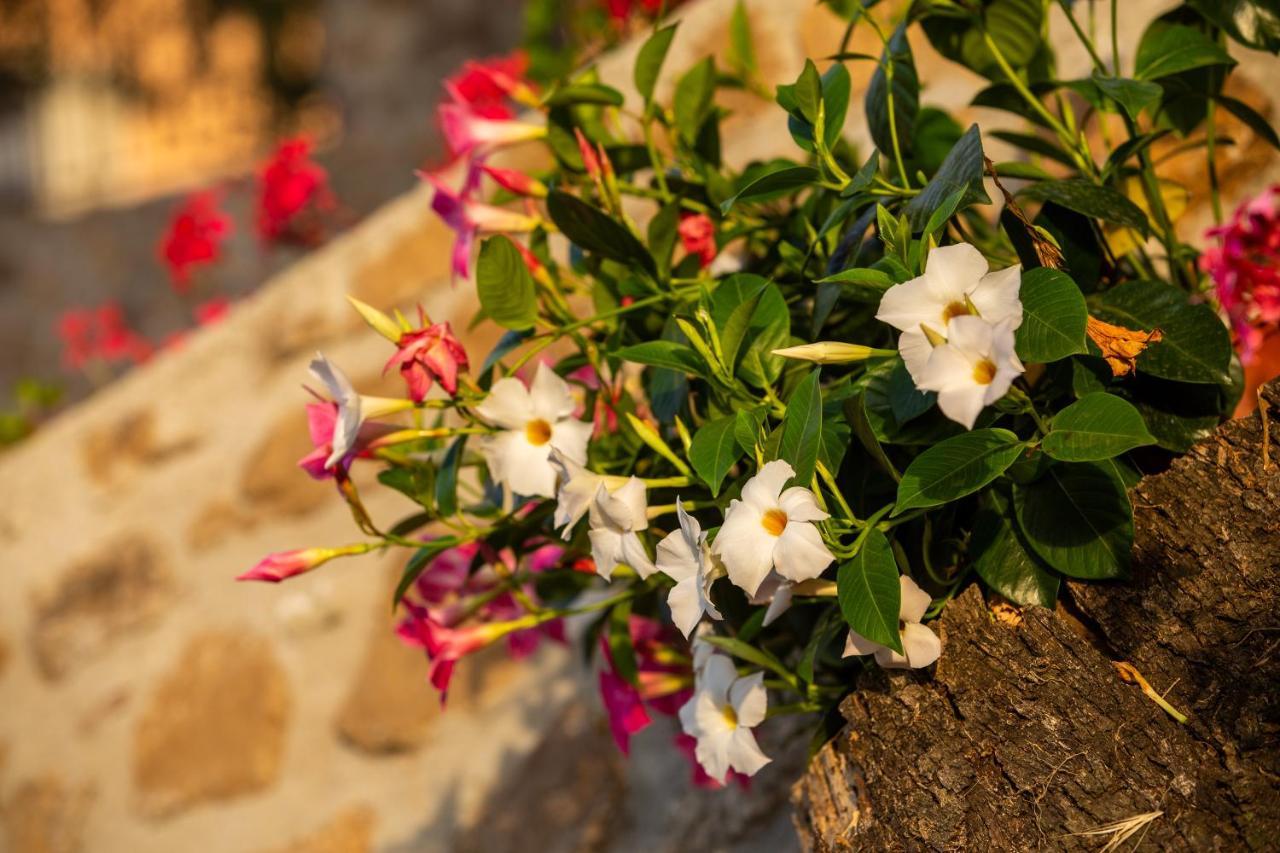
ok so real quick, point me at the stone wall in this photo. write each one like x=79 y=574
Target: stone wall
x=151 y=704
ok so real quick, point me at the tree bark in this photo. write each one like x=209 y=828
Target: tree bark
x=1026 y=737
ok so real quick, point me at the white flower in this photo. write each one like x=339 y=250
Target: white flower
x=772 y=529
x=615 y=518
x=955 y=284
x=721 y=714
x=776 y=592
x=533 y=421
x=346 y=427
x=684 y=557
x=921 y=645
x=576 y=490
x=973 y=369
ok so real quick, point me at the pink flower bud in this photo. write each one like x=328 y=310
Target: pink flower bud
x=698 y=236
x=465 y=131
x=516 y=182
x=285 y=564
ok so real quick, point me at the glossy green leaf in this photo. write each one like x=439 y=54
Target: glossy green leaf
x=419 y=562
x=447 y=477
x=1077 y=518
x=836 y=90
x=693 y=99
x=802 y=428
x=769 y=329
x=1196 y=345
x=1170 y=49
x=870 y=593
x=584 y=93
x=1132 y=95
x=649 y=60
x=961 y=170
x=506 y=289
x=668 y=354
x=1095 y=427
x=957 y=467
x=775 y=184
x=1091 y=199
x=1054 y=317
x=714 y=450
x=897 y=59
x=592 y=230
x=1003 y=559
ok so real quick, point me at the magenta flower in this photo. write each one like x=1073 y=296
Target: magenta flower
x=1245 y=268
x=468 y=218
x=665 y=679
x=426 y=354
x=466 y=132
x=282 y=565
x=516 y=181
x=322 y=418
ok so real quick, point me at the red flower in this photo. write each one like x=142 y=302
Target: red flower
x=194 y=238
x=1245 y=267
x=621 y=10
x=698 y=236
x=90 y=334
x=486 y=86
x=211 y=311
x=426 y=354
x=292 y=191
x=664 y=677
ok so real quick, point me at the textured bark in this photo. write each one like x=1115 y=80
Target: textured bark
x=1025 y=735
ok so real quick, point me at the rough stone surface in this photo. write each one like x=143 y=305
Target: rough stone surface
x=214 y=727
x=45 y=815
x=349 y=832
x=130 y=441
x=270 y=481
x=121 y=587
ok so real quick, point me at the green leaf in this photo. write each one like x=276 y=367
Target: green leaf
x=742 y=52
x=1077 y=519
x=1196 y=345
x=905 y=400
x=584 y=93
x=836 y=89
x=805 y=94
x=746 y=429
x=870 y=593
x=447 y=478
x=418 y=562
x=774 y=184
x=747 y=652
x=1170 y=49
x=1003 y=559
x=961 y=170
x=1096 y=427
x=1091 y=199
x=713 y=451
x=505 y=287
x=1054 y=317
x=621 y=649
x=1014 y=25
x=649 y=60
x=906 y=95
x=802 y=428
x=734 y=330
x=668 y=354
x=692 y=102
x=594 y=231
x=663 y=233
x=957 y=467
x=769 y=329
x=1133 y=95
x=939 y=217
x=1250 y=117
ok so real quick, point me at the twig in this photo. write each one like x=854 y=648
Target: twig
x=1121 y=830
x=1266 y=431
x=1129 y=674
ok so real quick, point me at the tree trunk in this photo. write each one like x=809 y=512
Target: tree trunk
x=1026 y=737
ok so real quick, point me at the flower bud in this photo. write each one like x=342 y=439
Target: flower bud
x=832 y=352
x=285 y=564
x=379 y=322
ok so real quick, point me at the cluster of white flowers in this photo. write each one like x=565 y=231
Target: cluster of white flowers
x=958 y=322
x=722 y=713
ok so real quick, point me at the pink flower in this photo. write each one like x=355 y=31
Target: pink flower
x=664 y=676
x=590 y=160
x=445 y=645
x=292 y=190
x=621 y=10
x=465 y=131
x=698 y=236
x=322 y=417
x=468 y=218
x=211 y=311
x=100 y=334
x=194 y=237
x=688 y=745
x=286 y=564
x=429 y=353
x=1245 y=268
x=486 y=85
x=516 y=181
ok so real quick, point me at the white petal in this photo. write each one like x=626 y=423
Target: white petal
x=762 y=490
x=905 y=306
x=716 y=678
x=574 y=497
x=996 y=296
x=744 y=753
x=689 y=715
x=856 y=644
x=947 y=368
x=606 y=550
x=570 y=437
x=800 y=554
x=800 y=504
x=634 y=555
x=549 y=395
x=921 y=645
x=749 y=699
x=915 y=601
x=887 y=658
x=685 y=604
x=712 y=753
x=526 y=469
x=745 y=546
x=508 y=405
x=346 y=429
x=675 y=559
x=631 y=497
x=915 y=350
x=971 y=335
x=963 y=405
x=779 y=604
x=954 y=270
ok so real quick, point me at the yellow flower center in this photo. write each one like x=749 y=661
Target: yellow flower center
x=774 y=521
x=730 y=716
x=984 y=371
x=538 y=432
x=955 y=309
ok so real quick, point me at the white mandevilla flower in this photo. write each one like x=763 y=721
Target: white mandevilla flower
x=576 y=490
x=615 y=519
x=776 y=592
x=684 y=557
x=533 y=421
x=346 y=427
x=921 y=645
x=723 y=711
x=956 y=283
x=772 y=529
x=973 y=369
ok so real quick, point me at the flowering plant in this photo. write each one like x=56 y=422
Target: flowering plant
x=756 y=428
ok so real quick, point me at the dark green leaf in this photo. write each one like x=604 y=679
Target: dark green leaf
x=746 y=429
x=1077 y=519
x=957 y=467
x=802 y=428
x=962 y=170
x=649 y=60
x=1095 y=427
x=594 y=231
x=1250 y=117
x=584 y=93
x=694 y=93
x=505 y=287
x=621 y=649
x=1196 y=345
x=1091 y=199
x=1003 y=559
x=668 y=354
x=418 y=562
x=447 y=478
x=714 y=450
x=836 y=89
x=1133 y=95
x=770 y=326
x=905 y=399
x=775 y=184
x=870 y=593
x=905 y=90
x=1170 y=49
x=1054 y=316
